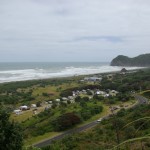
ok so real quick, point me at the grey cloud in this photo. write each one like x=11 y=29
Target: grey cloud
x=89 y=29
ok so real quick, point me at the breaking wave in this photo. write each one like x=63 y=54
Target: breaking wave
x=11 y=75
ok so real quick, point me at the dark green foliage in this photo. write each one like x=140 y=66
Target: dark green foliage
x=45 y=94
x=65 y=121
x=89 y=93
x=88 y=111
x=83 y=104
x=127 y=83
x=141 y=61
x=85 y=99
x=147 y=94
x=98 y=97
x=38 y=104
x=121 y=113
x=10 y=133
x=103 y=136
x=130 y=132
x=78 y=99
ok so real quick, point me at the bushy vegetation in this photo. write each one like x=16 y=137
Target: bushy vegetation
x=147 y=94
x=126 y=125
x=65 y=121
x=10 y=133
x=60 y=119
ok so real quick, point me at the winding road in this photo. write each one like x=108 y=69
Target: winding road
x=139 y=98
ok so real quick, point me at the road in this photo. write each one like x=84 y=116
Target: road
x=140 y=99
x=76 y=130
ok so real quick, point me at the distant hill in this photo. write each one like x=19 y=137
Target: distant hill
x=139 y=61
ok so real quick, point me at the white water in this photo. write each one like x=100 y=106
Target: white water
x=9 y=73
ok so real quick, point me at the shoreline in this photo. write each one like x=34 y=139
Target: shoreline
x=69 y=76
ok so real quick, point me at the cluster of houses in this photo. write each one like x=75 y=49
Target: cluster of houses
x=57 y=101
x=71 y=98
x=107 y=94
x=24 y=108
x=96 y=92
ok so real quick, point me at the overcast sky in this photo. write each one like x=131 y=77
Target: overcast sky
x=73 y=30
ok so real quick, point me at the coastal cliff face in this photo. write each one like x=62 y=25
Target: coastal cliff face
x=139 y=61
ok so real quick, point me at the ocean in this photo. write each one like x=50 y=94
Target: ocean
x=19 y=71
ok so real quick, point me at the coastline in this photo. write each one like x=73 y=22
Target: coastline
x=13 y=72
x=69 y=76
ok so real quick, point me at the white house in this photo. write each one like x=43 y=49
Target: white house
x=100 y=92
x=64 y=98
x=106 y=95
x=17 y=111
x=50 y=102
x=57 y=100
x=23 y=107
x=33 y=106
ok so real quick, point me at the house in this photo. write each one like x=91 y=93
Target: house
x=100 y=92
x=106 y=95
x=17 y=111
x=73 y=93
x=24 y=107
x=64 y=98
x=33 y=106
x=57 y=100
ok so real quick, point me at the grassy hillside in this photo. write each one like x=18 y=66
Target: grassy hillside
x=126 y=125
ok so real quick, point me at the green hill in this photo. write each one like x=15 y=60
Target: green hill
x=139 y=61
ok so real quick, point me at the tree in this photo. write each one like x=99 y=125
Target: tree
x=66 y=121
x=10 y=133
x=78 y=99
x=38 y=104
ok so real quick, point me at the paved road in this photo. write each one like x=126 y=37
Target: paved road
x=140 y=99
x=47 y=142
